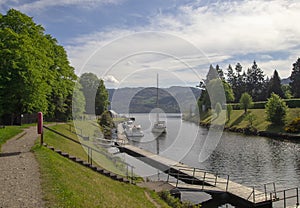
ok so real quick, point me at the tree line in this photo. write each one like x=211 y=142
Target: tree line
x=35 y=74
x=236 y=81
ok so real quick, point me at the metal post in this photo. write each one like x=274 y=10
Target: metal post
x=275 y=190
x=91 y=156
x=88 y=155
x=132 y=174
x=266 y=196
x=253 y=194
x=42 y=138
x=227 y=184
x=203 y=180
x=216 y=179
x=297 y=191
x=177 y=178
x=193 y=176
x=168 y=175
x=127 y=175
x=284 y=202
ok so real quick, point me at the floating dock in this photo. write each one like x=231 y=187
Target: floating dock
x=188 y=178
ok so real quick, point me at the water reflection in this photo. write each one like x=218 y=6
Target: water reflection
x=249 y=160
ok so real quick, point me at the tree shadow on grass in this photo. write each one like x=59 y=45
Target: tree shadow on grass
x=238 y=120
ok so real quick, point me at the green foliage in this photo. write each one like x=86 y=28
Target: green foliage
x=246 y=101
x=276 y=110
x=106 y=123
x=101 y=100
x=293 y=126
x=90 y=84
x=274 y=85
x=78 y=102
x=175 y=202
x=229 y=110
x=295 y=79
x=34 y=73
x=218 y=109
x=255 y=83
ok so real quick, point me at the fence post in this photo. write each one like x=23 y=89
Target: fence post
x=91 y=156
x=132 y=174
x=193 y=176
x=266 y=196
x=297 y=191
x=216 y=179
x=275 y=190
x=168 y=175
x=284 y=202
x=177 y=178
x=227 y=184
x=253 y=191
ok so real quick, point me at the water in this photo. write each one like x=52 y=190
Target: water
x=249 y=160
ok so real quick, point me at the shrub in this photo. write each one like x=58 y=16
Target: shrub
x=276 y=109
x=246 y=101
x=294 y=126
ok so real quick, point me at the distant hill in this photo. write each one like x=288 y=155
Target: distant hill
x=285 y=81
x=143 y=100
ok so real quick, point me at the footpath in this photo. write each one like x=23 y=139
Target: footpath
x=20 y=184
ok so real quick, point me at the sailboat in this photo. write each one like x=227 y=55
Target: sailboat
x=159 y=126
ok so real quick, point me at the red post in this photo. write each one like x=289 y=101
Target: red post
x=40 y=126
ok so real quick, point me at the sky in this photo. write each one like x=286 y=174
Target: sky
x=128 y=42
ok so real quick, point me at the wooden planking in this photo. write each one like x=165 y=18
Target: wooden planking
x=234 y=188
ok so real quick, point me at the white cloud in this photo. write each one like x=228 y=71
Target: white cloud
x=110 y=79
x=219 y=31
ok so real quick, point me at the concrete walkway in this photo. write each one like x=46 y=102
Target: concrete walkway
x=19 y=173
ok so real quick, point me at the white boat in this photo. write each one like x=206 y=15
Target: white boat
x=159 y=126
x=134 y=131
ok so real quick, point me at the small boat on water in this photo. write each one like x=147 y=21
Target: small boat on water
x=159 y=127
x=132 y=130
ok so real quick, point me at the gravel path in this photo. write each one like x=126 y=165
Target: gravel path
x=19 y=173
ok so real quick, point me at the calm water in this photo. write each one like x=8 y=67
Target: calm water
x=249 y=160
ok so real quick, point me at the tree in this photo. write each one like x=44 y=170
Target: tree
x=212 y=74
x=78 y=101
x=276 y=110
x=229 y=110
x=101 y=100
x=274 y=85
x=237 y=80
x=218 y=109
x=246 y=101
x=295 y=79
x=90 y=84
x=106 y=123
x=255 y=82
x=35 y=74
x=220 y=72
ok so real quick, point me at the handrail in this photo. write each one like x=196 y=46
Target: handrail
x=90 y=149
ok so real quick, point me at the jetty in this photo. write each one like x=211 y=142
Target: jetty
x=187 y=178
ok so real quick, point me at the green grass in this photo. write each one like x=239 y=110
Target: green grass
x=68 y=184
x=238 y=119
x=8 y=132
x=79 y=151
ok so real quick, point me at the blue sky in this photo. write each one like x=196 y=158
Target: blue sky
x=126 y=42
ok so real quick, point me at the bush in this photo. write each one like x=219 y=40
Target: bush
x=276 y=109
x=294 y=126
x=175 y=202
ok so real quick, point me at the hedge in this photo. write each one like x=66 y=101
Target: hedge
x=291 y=103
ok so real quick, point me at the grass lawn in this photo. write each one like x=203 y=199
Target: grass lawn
x=68 y=184
x=240 y=121
x=9 y=132
x=79 y=151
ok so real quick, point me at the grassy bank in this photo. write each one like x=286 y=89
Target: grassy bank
x=79 y=151
x=239 y=120
x=68 y=184
x=9 y=132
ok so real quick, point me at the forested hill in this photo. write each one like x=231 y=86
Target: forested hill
x=143 y=100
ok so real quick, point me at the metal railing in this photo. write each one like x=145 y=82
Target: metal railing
x=198 y=177
x=91 y=150
x=274 y=195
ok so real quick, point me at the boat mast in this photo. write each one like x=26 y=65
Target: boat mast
x=157 y=115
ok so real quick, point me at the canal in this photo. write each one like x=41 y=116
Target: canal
x=249 y=160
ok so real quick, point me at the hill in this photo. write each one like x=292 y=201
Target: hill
x=174 y=99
